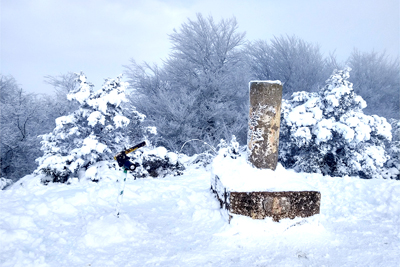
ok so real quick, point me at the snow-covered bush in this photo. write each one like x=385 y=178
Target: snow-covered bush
x=203 y=159
x=229 y=149
x=91 y=134
x=393 y=149
x=157 y=162
x=327 y=132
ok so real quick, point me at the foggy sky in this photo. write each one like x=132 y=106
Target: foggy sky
x=98 y=37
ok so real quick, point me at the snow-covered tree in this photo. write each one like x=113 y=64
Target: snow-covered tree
x=327 y=132
x=93 y=133
x=376 y=77
x=392 y=166
x=299 y=65
x=23 y=118
x=201 y=90
x=63 y=85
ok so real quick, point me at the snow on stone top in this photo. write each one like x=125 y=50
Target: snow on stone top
x=237 y=175
x=267 y=81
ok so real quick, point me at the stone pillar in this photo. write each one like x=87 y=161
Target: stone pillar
x=263 y=144
x=264 y=123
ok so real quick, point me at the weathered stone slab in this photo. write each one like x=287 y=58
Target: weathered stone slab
x=258 y=205
x=278 y=205
x=264 y=123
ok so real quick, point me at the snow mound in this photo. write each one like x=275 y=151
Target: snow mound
x=176 y=221
x=110 y=230
x=238 y=175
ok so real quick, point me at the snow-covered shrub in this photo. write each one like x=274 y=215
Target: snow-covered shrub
x=91 y=134
x=157 y=162
x=229 y=149
x=203 y=159
x=327 y=132
x=393 y=149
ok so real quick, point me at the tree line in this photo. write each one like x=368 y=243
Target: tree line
x=200 y=91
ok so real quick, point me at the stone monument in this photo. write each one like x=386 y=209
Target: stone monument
x=264 y=123
x=254 y=188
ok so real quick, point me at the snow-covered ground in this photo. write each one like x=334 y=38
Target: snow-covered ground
x=176 y=221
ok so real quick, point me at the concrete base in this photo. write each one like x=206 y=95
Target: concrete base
x=258 y=205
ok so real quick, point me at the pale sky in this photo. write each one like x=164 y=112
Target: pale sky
x=98 y=37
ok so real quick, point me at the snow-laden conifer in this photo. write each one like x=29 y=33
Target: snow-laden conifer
x=327 y=132
x=91 y=134
x=392 y=166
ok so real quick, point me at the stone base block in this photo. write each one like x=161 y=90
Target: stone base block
x=258 y=205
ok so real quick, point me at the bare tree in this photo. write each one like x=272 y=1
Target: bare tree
x=200 y=90
x=376 y=77
x=296 y=63
x=63 y=84
x=22 y=120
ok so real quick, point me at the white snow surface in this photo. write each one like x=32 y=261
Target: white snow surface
x=176 y=221
x=237 y=175
x=267 y=81
x=96 y=117
x=4 y=182
x=120 y=121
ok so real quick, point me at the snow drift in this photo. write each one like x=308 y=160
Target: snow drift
x=176 y=221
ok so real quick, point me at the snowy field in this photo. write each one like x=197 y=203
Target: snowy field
x=176 y=221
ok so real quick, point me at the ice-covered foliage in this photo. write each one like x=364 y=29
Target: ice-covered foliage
x=91 y=134
x=392 y=170
x=328 y=133
x=202 y=160
x=297 y=63
x=376 y=77
x=231 y=149
x=156 y=162
x=23 y=116
x=200 y=90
